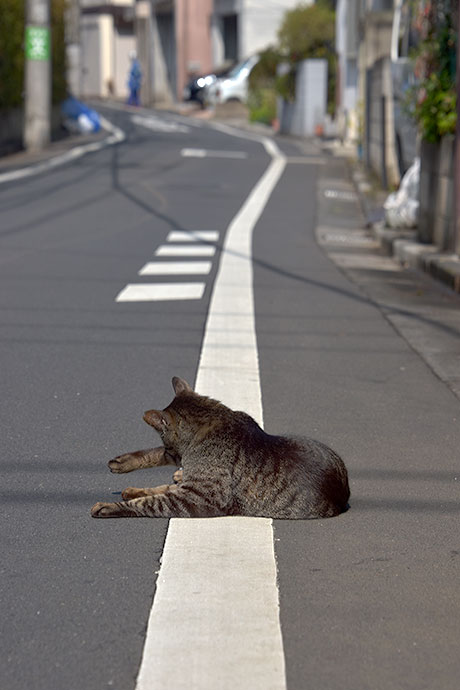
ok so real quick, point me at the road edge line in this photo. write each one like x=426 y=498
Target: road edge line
x=116 y=137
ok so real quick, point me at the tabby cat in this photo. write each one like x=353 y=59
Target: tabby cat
x=230 y=467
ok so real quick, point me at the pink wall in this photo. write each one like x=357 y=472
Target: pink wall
x=193 y=39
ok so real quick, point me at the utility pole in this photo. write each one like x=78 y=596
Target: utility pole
x=143 y=20
x=37 y=75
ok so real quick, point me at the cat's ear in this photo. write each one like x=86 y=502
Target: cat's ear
x=181 y=386
x=157 y=418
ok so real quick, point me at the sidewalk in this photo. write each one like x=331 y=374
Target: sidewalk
x=423 y=311
x=26 y=164
x=22 y=159
x=402 y=244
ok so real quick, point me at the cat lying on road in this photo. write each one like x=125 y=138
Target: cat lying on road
x=230 y=467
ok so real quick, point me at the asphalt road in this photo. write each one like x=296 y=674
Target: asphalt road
x=369 y=600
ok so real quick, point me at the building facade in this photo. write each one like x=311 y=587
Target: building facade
x=99 y=64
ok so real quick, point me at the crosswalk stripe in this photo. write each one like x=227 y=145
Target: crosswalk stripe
x=185 y=250
x=154 y=292
x=192 y=236
x=157 y=268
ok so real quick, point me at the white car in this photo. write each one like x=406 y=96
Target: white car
x=233 y=87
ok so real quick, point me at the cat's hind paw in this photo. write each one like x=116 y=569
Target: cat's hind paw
x=177 y=476
x=132 y=492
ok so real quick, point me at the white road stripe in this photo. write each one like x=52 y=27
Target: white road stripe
x=157 y=124
x=160 y=292
x=192 y=236
x=185 y=250
x=116 y=137
x=156 y=268
x=214 y=622
x=207 y=153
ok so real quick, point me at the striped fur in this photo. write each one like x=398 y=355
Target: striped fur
x=230 y=467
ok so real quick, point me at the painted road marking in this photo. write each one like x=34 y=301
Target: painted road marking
x=340 y=195
x=185 y=250
x=155 y=292
x=159 y=125
x=217 y=595
x=207 y=153
x=192 y=236
x=176 y=268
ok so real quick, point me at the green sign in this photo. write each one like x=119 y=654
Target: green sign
x=37 y=43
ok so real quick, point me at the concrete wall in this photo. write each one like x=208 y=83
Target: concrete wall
x=91 y=55
x=163 y=47
x=104 y=56
x=308 y=112
x=124 y=43
x=193 y=40
x=379 y=145
x=12 y=128
x=347 y=79
x=437 y=217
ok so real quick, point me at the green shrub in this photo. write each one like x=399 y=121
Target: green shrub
x=262 y=94
x=11 y=53
x=433 y=99
x=262 y=105
x=58 y=51
x=12 y=26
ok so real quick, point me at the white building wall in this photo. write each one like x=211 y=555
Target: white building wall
x=259 y=21
x=90 y=55
x=124 y=44
x=107 y=53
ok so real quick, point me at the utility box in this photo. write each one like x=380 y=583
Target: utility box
x=308 y=112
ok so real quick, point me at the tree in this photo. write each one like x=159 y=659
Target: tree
x=12 y=22
x=11 y=53
x=308 y=31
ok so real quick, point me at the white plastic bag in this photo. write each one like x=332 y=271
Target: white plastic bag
x=401 y=207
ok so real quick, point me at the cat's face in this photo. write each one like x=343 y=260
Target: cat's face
x=172 y=426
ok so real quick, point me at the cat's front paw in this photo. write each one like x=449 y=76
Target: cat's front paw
x=102 y=510
x=123 y=463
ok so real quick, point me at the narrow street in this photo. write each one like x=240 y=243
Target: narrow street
x=109 y=269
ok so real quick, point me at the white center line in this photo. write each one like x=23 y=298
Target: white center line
x=214 y=622
x=185 y=250
x=156 y=268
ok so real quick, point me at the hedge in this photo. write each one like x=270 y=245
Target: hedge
x=12 y=22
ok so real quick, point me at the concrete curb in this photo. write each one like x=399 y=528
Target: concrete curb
x=404 y=249
x=402 y=244
x=51 y=160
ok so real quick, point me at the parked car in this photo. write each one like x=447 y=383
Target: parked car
x=233 y=87
x=196 y=88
